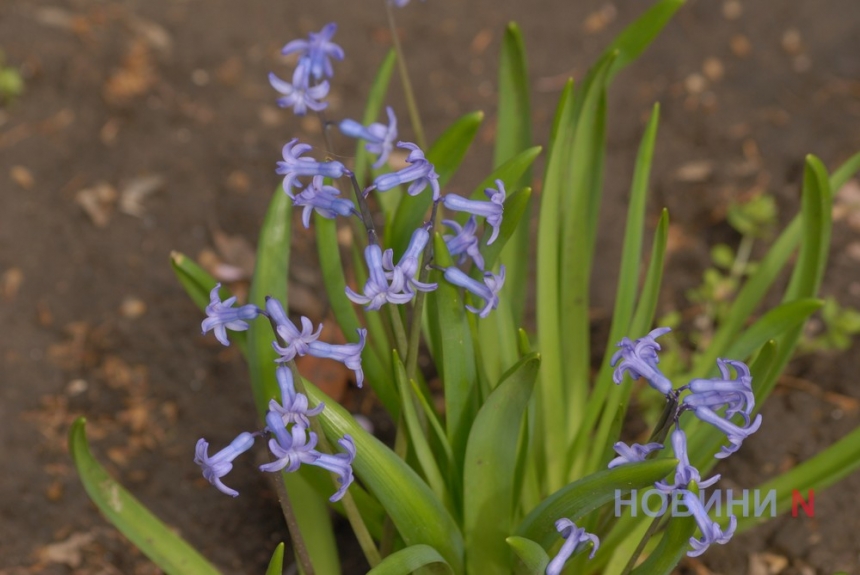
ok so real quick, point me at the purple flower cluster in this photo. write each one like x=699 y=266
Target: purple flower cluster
x=309 y=86
x=288 y=421
x=715 y=401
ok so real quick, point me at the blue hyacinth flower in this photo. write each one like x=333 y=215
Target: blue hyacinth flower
x=464 y=242
x=316 y=52
x=348 y=354
x=633 y=453
x=300 y=95
x=294 y=166
x=379 y=290
x=221 y=316
x=404 y=272
x=220 y=464
x=576 y=539
x=322 y=199
x=419 y=174
x=684 y=472
x=639 y=359
x=491 y=211
x=711 y=530
x=379 y=137
x=294 y=407
x=488 y=291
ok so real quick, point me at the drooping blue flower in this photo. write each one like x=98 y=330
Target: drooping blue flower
x=575 y=539
x=220 y=464
x=404 y=272
x=379 y=137
x=294 y=405
x=711 y=530
x=464 y=243
x=488 y=291
x=294 y=447
x=639 y=359
x=735 y=394
x=491 y=211
x=324 y=199
x=377 y=289
x=684 y=472
x=297 y=342
x=632 y=453
x=221 y=316
x=316 y=51
x=300 y=95
x=294 y=166
x=348 y=354
x=735 y=433
x=420 y=173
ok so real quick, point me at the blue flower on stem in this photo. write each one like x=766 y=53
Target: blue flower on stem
x=736 y=394
x=297 y=342
x=379 y=137
x=420 y=172
x=575 y=540
x=711 y=530
x=300 y=95
x=323 y=199
x=221 y=316
x=633 y=453
x=464 y=243
x=488 y=291
x=294 y=406
x=314 y=53
x=348 y=354
x=220 y=464
x=377 y=290
x=735 y=433
x=404 y=272
x=491 y=211
x=684 y=472
x=295 y=447
x=294 y=166
x=639 y=359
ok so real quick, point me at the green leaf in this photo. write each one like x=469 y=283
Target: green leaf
x=578 y=217
x=844 y=172
x=420 y=517
x=410 y=559
x=446 y=155
x=637 y=36
x=551 y=381
x=455 y=356
x=513 y=136
x=418 y=441
x=773 y=324
x=276 y=563
x=578 y=499
x=378 y=375
x=533 y=558
x=489 y=470
x=155 y=539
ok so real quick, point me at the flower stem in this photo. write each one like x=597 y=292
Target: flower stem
x=411 y=104
x=652 y=529
x=365 y=540
x=299 y=547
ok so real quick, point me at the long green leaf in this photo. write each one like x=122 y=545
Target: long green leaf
x=552 y=390
x=410 y=559
x=455 y=356
x=637 y=36
x=774 y=323
x=673 y=545
x=580 y=498
x=843 y=173
x=155 y=539
x=420 y=517
x=513 y=136
x=446 y=155
x=578 y=215
x=418 y=441
x=489 y=471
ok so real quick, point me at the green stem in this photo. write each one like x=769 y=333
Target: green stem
x=743 y=256
x=398 y=328
x=652 y=529
x=411 y=104
x=299 y=546
x=365 y=540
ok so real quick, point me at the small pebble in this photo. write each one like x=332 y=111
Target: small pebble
x=132 y=308
x=740 y=46
x=22 y=176
x=713 y=69
x=732 y=9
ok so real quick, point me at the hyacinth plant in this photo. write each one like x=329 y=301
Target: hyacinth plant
x=518 y=472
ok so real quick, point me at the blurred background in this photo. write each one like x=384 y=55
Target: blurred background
x=129 y=129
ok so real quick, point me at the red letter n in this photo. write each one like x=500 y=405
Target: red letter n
x=808 y=506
